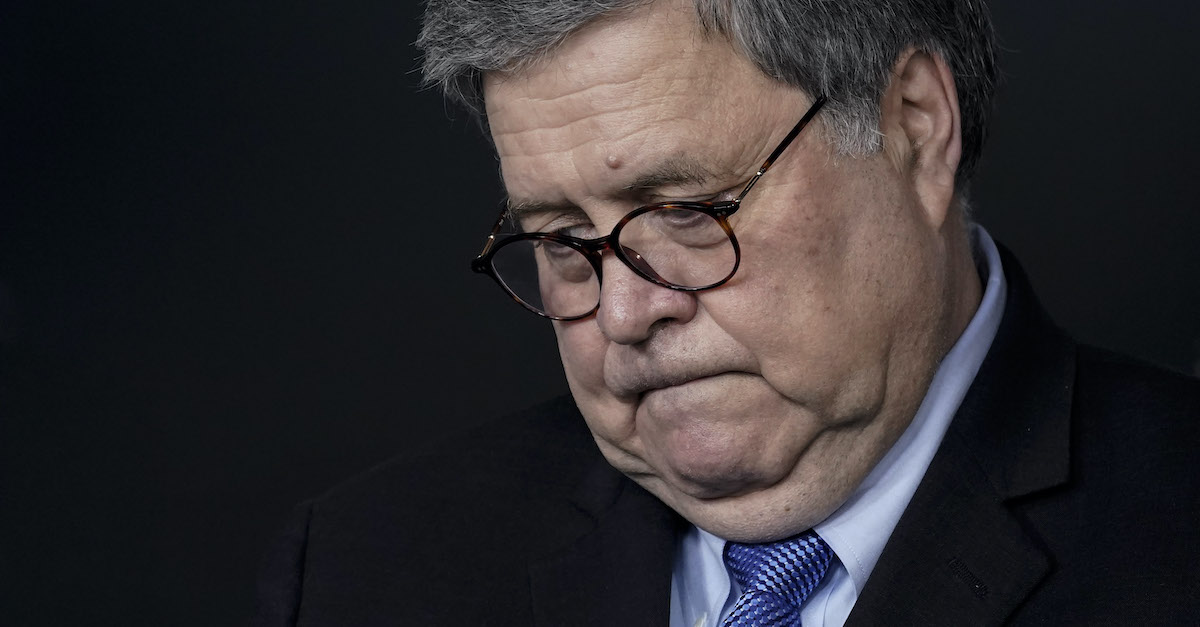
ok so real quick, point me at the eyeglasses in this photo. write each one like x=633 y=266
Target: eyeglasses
x=686 y=246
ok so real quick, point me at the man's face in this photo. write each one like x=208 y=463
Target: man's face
x=754 y=409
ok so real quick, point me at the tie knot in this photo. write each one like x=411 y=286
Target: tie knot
x=788 y=569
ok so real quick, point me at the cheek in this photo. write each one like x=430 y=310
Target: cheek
x=786 y=292
x=810 y=351
x=804 y=305
x=581 y=347
x=794 y=257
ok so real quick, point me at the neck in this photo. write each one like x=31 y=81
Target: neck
x=964 y=289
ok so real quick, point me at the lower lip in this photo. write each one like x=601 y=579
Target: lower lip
x=684 y=383
x=709 y=388
x=702 y=405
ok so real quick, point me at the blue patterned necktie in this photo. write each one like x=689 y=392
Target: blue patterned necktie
x=776 y=578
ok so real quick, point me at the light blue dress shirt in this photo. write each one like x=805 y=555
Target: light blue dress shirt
x=702 y=591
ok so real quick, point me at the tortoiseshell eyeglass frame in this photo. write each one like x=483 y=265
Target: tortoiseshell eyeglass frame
x=594 y=248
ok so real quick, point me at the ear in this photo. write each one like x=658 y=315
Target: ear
x=921 y=122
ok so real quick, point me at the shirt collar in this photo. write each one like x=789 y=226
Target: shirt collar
x=860 y=528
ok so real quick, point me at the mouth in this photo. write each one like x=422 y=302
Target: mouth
x=646 y=383
x=632 y=372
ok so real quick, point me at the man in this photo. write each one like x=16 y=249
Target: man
x=805 y=387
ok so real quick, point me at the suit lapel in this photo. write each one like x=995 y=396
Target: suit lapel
x=617 y=571
x=959 y=554
x=964 y=560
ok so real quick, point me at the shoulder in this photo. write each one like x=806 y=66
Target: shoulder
x=1135 y=403
x=467 y=512
x=1132 y=379
x=545 y=444
x=499 y=476
x=1134 y=429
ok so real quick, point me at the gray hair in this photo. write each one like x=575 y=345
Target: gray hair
x=844 y=49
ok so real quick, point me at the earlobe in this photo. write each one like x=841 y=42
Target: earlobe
x=922 y=105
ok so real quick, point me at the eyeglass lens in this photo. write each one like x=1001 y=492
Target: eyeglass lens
x=670 y=245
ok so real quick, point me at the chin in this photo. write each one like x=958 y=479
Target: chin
x=757 y=516
x=714 y=458
x=713 y=472
x=712 y=482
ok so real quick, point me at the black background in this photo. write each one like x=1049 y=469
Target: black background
x=233 y=265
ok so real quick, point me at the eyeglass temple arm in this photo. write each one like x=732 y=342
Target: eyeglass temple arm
x=491 y=238
x=787 y=141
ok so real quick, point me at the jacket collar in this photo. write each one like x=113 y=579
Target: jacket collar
x=617 y=569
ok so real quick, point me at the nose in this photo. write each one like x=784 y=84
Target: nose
x=631 y=307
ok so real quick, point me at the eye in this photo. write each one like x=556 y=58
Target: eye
x=722 y=196
x=570 y=224
x=731 y=193
x=680 y=218
x=581 y=231
x=556 y=251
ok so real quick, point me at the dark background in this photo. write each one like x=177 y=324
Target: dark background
x=233 y=265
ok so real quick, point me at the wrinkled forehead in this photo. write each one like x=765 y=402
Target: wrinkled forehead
x=612 y=59
x=620 y=97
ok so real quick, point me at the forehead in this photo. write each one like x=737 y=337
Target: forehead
x=622 y=97
x=607 y=63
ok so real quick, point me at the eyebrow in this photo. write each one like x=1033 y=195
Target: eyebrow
x=676 y=170
x=523 y=209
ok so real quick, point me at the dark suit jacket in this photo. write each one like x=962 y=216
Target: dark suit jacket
x=1065 y=492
